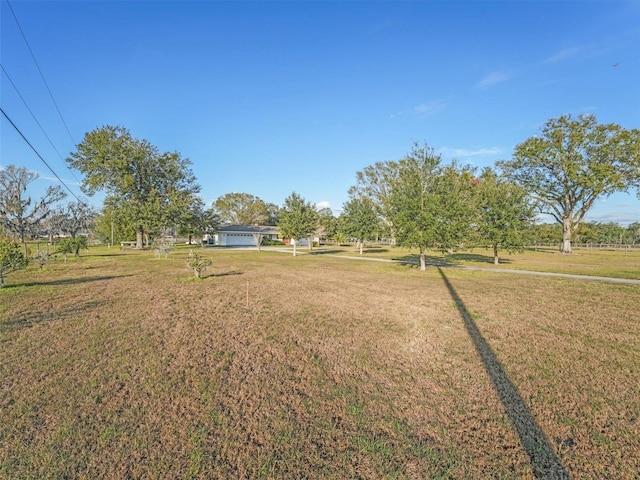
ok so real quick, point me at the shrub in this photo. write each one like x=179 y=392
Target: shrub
x=72 y=245
x=198 y=263
x=11 y=259
x=268 y=242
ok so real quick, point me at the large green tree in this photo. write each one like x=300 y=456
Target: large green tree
x=148 y=188
x=244 y=209
x=19 y=214
x=298 y=219
x=425 y=204
x=359 y=219
x=573 y=163
x=505 y=212
x=431 y=205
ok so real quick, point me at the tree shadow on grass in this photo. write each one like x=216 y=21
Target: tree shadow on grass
x=327 y=252
x=474 y=257
x=545 y=463
x=64 y=281
x=375 y=250
x=30 y=319
x=414 y=260
x=224 y=274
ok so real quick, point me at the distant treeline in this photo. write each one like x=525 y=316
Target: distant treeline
x=609 y=233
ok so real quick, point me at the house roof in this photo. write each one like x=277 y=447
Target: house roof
x=248 y=229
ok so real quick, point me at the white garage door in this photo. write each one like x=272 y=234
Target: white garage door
x=237 y=239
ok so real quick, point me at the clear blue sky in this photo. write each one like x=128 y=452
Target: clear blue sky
x=273 y=97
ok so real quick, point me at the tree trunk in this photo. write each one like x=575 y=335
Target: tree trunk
x=294 y=247
x=139 y=237
x=496 y=260
x=566 y=236
x=310 y=240
x=361 y=244
x=257 y=238
x=423 y=264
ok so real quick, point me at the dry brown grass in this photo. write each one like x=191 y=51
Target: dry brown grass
x=116 y=366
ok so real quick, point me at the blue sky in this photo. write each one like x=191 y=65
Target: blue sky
x=269 y=97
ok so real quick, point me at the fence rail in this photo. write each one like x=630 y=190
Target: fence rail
x=588 y=246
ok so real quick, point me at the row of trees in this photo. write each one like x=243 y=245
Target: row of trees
x=602 y=233
x=416 y=200
x=561 y=173
x=427 y=204
x=23 y=217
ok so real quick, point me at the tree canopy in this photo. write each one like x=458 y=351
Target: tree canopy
x=573 y=163
x=327 y=224
x=245 y=209
x=19 y=214
x=425 y=203
x=146 y=187
x=198 y=220
x=73 y=218
x=359 y=219
x=298 y=219
x=505 y=212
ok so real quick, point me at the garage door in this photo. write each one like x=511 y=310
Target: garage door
x=237 y=239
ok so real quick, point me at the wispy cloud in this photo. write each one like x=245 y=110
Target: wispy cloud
x=473 y=152
x=56 y=180
x=494 y=78
x=624 y=218
x=323 y=204
x=423 y=110
x=563 y=55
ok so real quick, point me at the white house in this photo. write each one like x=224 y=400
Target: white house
x=242 y=235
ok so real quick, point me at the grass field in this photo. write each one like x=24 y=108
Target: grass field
x=121 y=365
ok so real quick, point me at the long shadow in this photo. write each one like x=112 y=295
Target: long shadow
x=30 y=319
x=64 y=281
x=475 y=257
x=543 y=459
x=326 y=252
x=375 y=250
x=225 y=274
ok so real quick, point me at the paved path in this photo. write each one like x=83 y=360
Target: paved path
x=627 y=281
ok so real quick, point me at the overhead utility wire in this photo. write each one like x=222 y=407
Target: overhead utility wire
x=41 y=74
x=38 y=154
x=34 y=116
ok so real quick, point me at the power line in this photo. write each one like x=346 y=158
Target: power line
x=34 y=116
x=38 y=154
x=24 y=37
